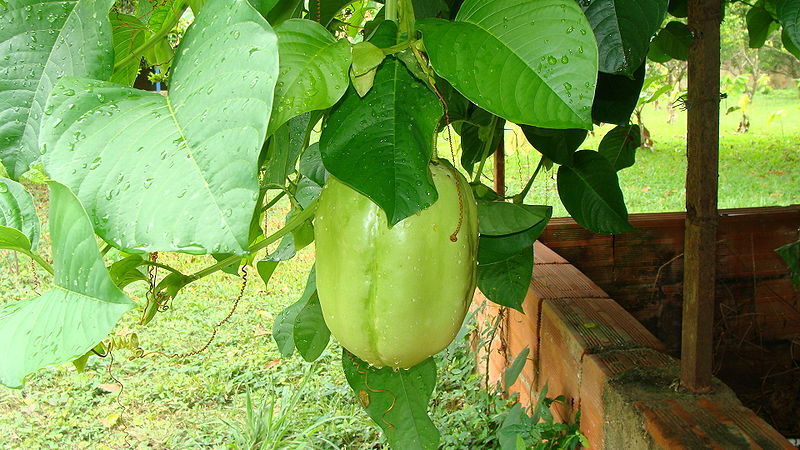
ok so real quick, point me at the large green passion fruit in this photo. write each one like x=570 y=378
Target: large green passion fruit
x=395 y=296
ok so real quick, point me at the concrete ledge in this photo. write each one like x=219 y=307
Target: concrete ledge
x=589 y=349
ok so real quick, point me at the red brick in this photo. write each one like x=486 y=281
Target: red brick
x=596 y=372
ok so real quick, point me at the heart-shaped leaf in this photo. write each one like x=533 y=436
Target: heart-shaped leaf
x=397 y=400
x=589 y=190
x=507 y=55
x=41 y=41
x=177 y=172
x=389 y=135
x=788 y=12
x=81 y=309
x=623 y=29
x=17 y=210
x=313 y=73
x=619 y=146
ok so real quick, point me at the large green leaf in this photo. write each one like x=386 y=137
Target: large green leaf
x=129 y=34
x=532 y=62
x=617 y=96
x=619 y=146
x=759 y=25
x=788 y=12
x=313 y=73
x=623 y=29
x=17 y=210
x=387 y=135
x=397 y=400
x=590 y=192
x=176 y=173
x=556 y=145
x=77 y=313
x=41 y=41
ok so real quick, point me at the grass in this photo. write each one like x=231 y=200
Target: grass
x=202 y=401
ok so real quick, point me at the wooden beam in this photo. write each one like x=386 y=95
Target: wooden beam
x=500 y=167
x=701 y=194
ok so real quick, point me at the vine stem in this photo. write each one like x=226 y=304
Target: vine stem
x=486 y=149
x=391 y=10
x=169 y=24
x=519 y=198
x=39 y=260
x=294 y=223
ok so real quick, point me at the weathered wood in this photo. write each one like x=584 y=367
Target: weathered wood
x=701 y=194
x=500 y=168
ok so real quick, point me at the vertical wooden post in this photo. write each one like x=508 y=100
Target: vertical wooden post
x=500 y=167
x=701 y=194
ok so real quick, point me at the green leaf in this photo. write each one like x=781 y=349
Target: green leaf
x=126 y=271
x=40 y=41
x=397 y=400
x=556 y=145
x=311 y=165
x=283 y=329
x=590 y=192
x=623 y=29
x=619 y=146
x=17 y=210
x=507 y=55
x=77 y=313
x=788 y=13
x=512 y=373
x=430 y=8
x=388 y=134
x=789 y=45
x=506 y=280
x=673 y=40
x=284 y=10
x=129 y=33
x=311 y=334
x=678 y=8
x=313 y=72
x=366 y=56
x=476 y=133
x=791 y=255
x=501 y=218
x=175 y=173
x=759 y=25
x=515 y=423
x=13 y=239
x=617 y=96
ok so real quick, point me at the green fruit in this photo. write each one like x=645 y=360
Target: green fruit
x=395 y=296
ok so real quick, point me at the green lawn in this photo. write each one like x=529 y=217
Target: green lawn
x=168 y=403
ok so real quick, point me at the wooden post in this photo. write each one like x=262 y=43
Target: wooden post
x=701 y=195
x=500 y=167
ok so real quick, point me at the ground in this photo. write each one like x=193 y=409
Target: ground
x=201 y=401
